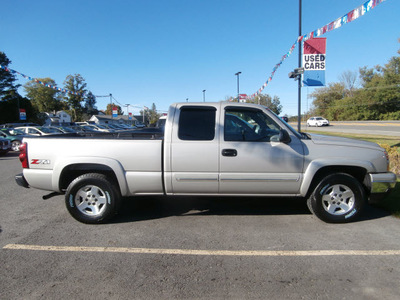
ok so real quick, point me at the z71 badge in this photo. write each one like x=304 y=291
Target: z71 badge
x=40 y=161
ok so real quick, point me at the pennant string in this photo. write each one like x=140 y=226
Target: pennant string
x=64 y=91
x=347 y=18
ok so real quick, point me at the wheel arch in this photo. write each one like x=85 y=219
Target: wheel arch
x=65 y=173
x=357 y=172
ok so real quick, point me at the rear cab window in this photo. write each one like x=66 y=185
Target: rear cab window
x=197 y=123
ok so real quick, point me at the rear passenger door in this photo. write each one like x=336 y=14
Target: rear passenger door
x=194 y=151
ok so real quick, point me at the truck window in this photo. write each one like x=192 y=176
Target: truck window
x=243 y=124
x=197 y=123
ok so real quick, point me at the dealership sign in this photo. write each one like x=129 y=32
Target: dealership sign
x=115 y=112
x=22 y=114
x=314 y=62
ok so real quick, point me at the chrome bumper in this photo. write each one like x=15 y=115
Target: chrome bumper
x=382 y=182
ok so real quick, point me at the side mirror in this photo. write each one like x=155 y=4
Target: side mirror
x=284 y=136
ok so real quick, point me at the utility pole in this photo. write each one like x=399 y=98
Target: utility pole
x=112 y=106
x=296 y=75
x=238 y=95
x=299 y=83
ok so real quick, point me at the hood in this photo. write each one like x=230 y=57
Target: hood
x=341 y=141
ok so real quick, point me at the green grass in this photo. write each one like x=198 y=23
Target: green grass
x=390 y=140
x=391 y=202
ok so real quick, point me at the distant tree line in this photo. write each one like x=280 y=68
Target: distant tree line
x=80 y=104
x=376 y=97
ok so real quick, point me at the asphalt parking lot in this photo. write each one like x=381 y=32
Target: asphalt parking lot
x=191 y=248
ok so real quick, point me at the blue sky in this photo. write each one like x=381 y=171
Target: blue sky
x=161 y=52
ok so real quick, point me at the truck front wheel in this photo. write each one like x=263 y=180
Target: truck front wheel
x=338 y=198
x=92 y=198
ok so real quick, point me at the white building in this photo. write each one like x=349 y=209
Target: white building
x=57 y=118
x=108 y=119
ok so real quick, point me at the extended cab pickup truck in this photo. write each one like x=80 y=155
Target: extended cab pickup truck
x=224 y=149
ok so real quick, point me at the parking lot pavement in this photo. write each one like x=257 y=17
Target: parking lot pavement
x=191 y=248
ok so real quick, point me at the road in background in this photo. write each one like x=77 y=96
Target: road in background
x=386 y=128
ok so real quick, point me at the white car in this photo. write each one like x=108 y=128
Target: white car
x=38 y=130
x=317 y=121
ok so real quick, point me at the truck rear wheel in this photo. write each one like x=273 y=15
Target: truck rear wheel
x=338 y=198
x=92 y=198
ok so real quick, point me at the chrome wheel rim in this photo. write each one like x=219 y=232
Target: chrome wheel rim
x=15 y=145
x=338 y=200
x=91 y=200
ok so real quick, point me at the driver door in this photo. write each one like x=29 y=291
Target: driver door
x=252 y=164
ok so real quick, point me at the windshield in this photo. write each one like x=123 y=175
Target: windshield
x=13 y=132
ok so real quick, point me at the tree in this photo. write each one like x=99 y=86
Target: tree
x=273 y=104
x=10 y=100
x=90 y=104
x=349 y=80
x=77 y=89
x=43 y=98
x=109 y=109
x=325 y=97
x=151 y=114
x=7 y=78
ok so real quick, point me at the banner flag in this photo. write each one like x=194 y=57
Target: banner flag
x=314 y=62
x=347 y=18
x=115 y=112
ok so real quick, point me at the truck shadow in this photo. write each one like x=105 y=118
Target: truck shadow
x=149 y=208
x=10 y=155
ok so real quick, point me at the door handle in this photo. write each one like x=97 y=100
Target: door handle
x=229 y=152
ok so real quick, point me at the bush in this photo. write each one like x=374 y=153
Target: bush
x=394 y=158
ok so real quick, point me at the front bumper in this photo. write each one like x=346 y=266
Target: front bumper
x=380 y=185
x=21 y=181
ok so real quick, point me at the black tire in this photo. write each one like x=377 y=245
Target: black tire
x=338 y=198
x=92 y=198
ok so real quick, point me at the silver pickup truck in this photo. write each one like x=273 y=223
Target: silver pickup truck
x=209 y=149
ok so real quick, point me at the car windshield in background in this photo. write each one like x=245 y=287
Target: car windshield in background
x=48 y=130
x=13 y=132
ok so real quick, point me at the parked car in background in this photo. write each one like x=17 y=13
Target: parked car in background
x=284 y=118
x=76 y=128
x=96 y=128
x=37 y=130
x=317 y=121
x=15 y=136
x=61 y=129
x=13 y=125
x=114 y=127
x=5 y=146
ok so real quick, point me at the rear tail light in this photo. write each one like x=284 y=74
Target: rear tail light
x=23 y=155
